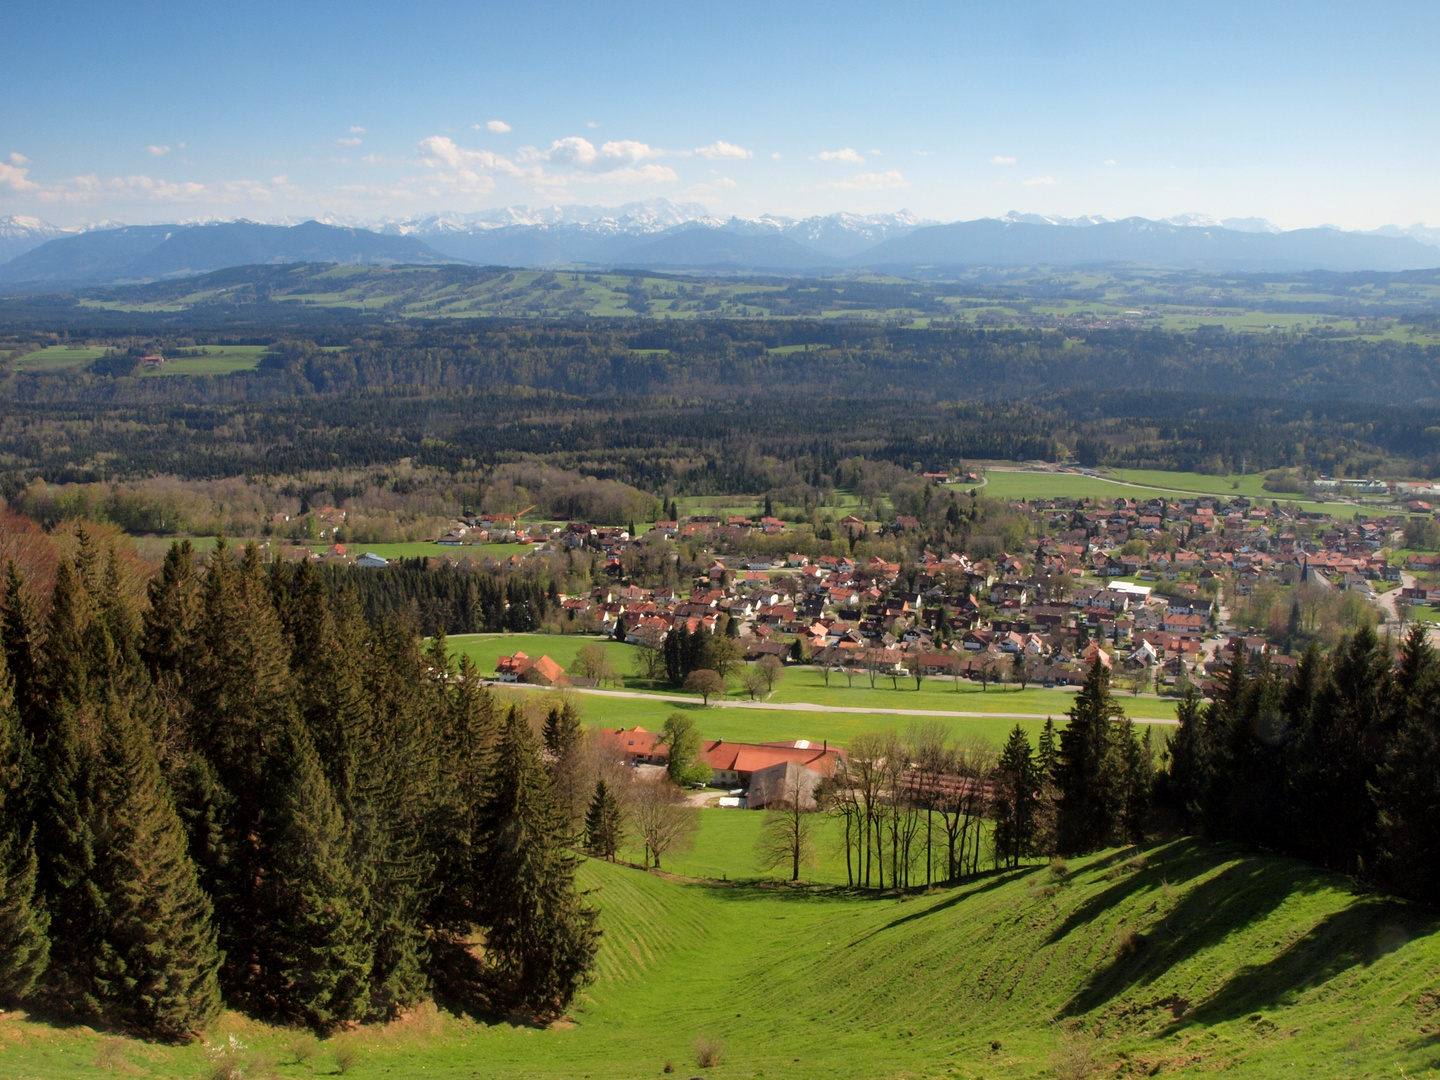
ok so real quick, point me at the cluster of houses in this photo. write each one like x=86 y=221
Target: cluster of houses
x=1074 y=597
x=1134 y=583
x=758 y=774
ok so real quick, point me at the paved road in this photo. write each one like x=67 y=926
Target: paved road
x=811 y=707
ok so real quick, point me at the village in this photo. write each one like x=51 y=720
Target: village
x=1154 y=590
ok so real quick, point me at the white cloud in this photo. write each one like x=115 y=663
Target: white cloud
x=281 y=179
x=468 y=172
x=581 y=153
x=84 y=189
x=349 y=142
x=869 y=181
x=1039 y=181
x=14 y=175
x=592 y=123
x=1002 y=160
x=645 y=174
x=848 y=154
x=1111 y=161
x=157 y=151
x=499 y=127
x=776 y=155
x=354 y=130
x=722 y=149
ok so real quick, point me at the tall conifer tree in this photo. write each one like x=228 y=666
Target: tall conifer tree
x=540 y=937
x=313 y=952
x=156 y=963
x=1086 y=773
x=64 y=793
x=24 y=942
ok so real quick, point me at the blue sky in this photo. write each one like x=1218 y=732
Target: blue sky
x=1302 y=113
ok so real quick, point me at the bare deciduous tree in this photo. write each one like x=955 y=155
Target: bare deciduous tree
x=663 y=819
x=752 y=681
x=785 y=836
x=772 y=671
x=593 y=662
x=649 y=664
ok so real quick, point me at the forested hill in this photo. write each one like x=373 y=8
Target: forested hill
x=731 y=359
x=646 y=402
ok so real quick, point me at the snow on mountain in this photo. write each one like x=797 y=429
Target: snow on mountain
x=1426 y=234
x=19 y=234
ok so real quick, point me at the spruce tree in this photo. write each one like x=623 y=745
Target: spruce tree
x=1014 y=800
x=1406 y=788
x=1086 y=773
x=395 y=801
x=243 y=703
x=155 y=968
x=1046 y=753
x=63 y=798
x=313 y=953
x=540 y=937
x=170 y=628
x=603 y=825
x=21 y=634
x=24 y=941
x=562 y=730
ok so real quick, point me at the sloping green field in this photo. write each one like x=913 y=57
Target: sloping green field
x=1192 y=960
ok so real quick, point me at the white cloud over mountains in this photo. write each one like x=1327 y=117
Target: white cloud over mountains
x=580 y=153
x=869 y=181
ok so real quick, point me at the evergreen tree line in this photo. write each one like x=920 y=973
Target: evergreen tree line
x=1337 y=763
x=447 y=599
x=246 y=793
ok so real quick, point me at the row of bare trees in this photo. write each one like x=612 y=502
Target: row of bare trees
x=912 y=807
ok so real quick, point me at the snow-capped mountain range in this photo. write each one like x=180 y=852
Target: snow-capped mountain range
x=660 y=234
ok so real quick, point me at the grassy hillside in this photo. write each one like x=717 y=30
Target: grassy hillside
x=1187 y=960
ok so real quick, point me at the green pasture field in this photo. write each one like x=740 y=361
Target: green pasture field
x=484 y=649
x=218 y=360
x=724 y=848
x=786 y=350
x=836 y=720
x=1048 y=485
x=426 y=549
x=1151 y=483
x=807 y=685
x=56 y=357
x=1184 y=959
x=776 y=725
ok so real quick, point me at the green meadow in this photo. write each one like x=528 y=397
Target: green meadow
x=1145 y=484
x=832 y=714
x=55 y=357
x=218 y=360
x=1184 y=959
x=419 y=549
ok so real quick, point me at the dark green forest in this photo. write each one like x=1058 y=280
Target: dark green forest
x=695 y=405
x=245 y=792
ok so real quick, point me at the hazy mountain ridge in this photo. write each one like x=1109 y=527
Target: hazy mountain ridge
x=156 y=252
x=661 y=234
